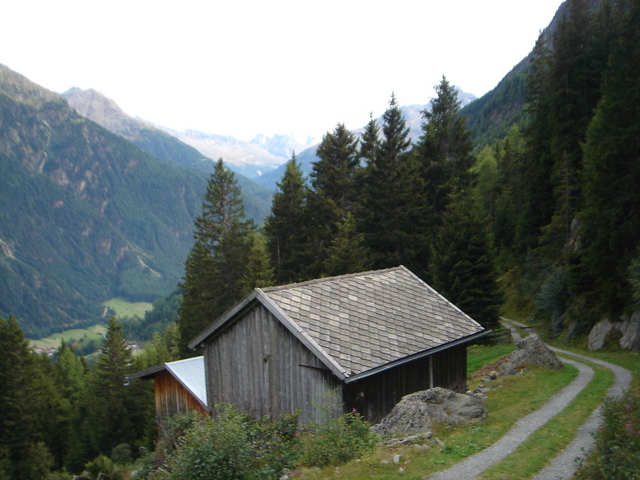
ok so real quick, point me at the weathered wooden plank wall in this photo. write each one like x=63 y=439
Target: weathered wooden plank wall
x=258 y=365
x=375 y=396
x=171 y=397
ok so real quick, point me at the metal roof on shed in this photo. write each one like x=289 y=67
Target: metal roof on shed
x=189 y=372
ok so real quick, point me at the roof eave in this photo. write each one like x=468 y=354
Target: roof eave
x=415 y=356
x=147 y=373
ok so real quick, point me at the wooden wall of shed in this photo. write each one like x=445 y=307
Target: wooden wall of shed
x=262 y=368
x=375 y=396
x=171 y=397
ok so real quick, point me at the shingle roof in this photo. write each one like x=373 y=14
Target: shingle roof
x=359 y=323
x=369 y=319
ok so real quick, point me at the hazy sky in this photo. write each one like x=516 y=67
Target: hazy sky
x=241 y=68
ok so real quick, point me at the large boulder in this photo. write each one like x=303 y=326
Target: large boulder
x=531 y=351
x=416 y=412
x=627 y=330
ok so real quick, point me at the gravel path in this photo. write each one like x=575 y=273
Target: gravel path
x=478 y=463
x=565 y=464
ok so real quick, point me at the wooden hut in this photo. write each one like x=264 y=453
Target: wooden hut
x=365 y=340
x=179 y=386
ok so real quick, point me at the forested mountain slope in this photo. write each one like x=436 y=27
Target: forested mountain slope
x=490 y=116
x=84 y=214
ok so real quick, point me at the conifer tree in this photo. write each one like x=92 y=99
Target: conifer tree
x=259 y=272
x=444 y=149
x=535 y=182
x=391 y=186
x=333 y=193
x=347 y=252
x=611 y=177
x=216 y=265
x=284 y=228
x=370 y=142
x=333 y=175
x=23 y=404
x=463 y=260
x=116 y=413
x=574 y=77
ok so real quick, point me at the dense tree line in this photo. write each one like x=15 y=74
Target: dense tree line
x=60 y=413
x=371 y=201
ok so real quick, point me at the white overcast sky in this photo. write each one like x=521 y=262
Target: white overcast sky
x=240 y=68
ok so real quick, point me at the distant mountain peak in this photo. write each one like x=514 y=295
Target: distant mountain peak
x=280 y=145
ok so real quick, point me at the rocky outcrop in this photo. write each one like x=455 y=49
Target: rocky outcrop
x=626 y=332
x=531 y=351
x=416 y=412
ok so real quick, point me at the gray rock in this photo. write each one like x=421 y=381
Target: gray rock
x=628 y=328
x=598 y=334
x=415 y=413
x=531 y=351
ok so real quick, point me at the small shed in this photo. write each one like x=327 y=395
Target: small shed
x=179 y=386
x=366 y=339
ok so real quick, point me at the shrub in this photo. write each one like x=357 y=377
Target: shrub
x=234 y=446
x=122 y=454
x=102 y=467
x=617 y=451
x=339 y=440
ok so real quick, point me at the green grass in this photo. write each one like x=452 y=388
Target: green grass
x=124 y=308
x=510 y=398
x=95 y=332
x=480 y=355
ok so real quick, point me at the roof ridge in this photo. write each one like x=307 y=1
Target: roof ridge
x=326 y=279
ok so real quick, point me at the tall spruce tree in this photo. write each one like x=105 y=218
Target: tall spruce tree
x=535 y=182
x=259 y=272
x=391 y=186
x=21 y=407
x=463 y=260
x=333 y=192
x=444 y=158
x=285 y=229
x=574 y=77
x=333 y=175
x=347 y=252
x=444 y=148
x=370 y=142
x=216 y=266
x=115 y=413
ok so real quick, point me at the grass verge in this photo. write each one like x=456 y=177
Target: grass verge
x=510 y=398
x=480 y=355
